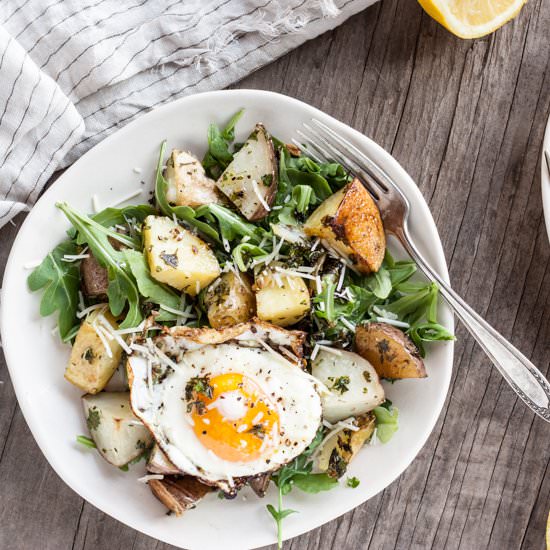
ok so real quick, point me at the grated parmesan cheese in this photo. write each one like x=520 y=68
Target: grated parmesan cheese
x=258 y=194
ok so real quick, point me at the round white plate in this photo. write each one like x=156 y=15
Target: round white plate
x=52 y=407
x=545 y=178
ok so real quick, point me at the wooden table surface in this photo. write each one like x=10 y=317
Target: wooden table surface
x=466 y=120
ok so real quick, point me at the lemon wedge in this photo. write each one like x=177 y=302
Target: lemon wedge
x=472 y=18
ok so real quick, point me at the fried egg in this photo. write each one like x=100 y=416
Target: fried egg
x=224 y=411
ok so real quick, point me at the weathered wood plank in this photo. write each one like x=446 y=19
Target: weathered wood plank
x=466 y=119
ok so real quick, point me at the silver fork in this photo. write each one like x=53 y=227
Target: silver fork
x=324 y=144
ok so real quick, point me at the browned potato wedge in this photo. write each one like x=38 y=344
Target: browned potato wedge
x=229 y=300
x=343 y=446
x=90 y=365
x=260 y=484
x=349 y=221
x=95 y=281
x=250 y=181
x=178 y=494
x=390 y=351
x=188 y=184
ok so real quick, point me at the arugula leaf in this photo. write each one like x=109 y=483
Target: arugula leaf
x=149 y=287
x=122 y=287
x=231 y=224
x=244 y=252
x=314 y=483
x=386 y=422
x=60 y=281
x=86 y=441
x=122 y=216
x=218 y=157
x=298 y=473
x=428 y=332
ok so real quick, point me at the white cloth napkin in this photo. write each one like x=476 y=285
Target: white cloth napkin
x=73 y=71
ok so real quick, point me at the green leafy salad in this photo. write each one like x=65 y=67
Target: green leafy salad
x=243 y=328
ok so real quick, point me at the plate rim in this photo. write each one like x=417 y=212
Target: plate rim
x=10 y=268
x=545 y=178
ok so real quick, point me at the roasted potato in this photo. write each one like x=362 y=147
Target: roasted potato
x=178 y=494
x=250 y=181
x=342 y=447
x=159 y=463
x=229 y=300
x=391 y=352
x=352 y=381
x=188 y=184
x=349 y=221
x=90 y=366
x=119 y=436
x=281 y=299
x=177 y=257
x=94 y=277
x=260 y=484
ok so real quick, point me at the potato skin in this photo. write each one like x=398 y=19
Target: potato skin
x=255 y=161
x=177 y=493
x=90 y=367
x=350 y=222
x=343 y=446
x=229 y=300
x=390 y=351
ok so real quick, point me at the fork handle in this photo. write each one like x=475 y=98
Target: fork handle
x=524 y=378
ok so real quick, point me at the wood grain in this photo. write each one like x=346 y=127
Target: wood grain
x=466 y=119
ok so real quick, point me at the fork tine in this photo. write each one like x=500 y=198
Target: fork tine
x=325 y=148
x=313 y=155
x=322 y=154
x=379 y=175
x=350 y=165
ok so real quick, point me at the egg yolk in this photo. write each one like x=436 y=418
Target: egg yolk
x=235 y=419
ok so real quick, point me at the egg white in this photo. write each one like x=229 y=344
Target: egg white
x=163 y=409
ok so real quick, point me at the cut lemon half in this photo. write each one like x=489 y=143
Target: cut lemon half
x=472 y=18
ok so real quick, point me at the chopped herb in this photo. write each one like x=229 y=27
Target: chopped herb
x=94 y=418
x=169 y=259
x=198 y=385
x=258 y=430
x=340 y=384
x=352 y=482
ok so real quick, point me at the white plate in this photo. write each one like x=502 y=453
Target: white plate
x=36 y=359
x=545 y=178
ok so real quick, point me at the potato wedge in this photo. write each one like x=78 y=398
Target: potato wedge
x=260 y=484
x=94 y=277
x=178 y=494
x=188 y=184
x=119 y=436
x=349 y=221
x=343 y=446
x=250 y=181
x=229 y=300
x=353 y=383
x=390 y=351
x=177 y=257
x=90 y=365
x=281 y=299
x=159 y=463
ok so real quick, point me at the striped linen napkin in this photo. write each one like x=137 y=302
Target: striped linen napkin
x=73 y=71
